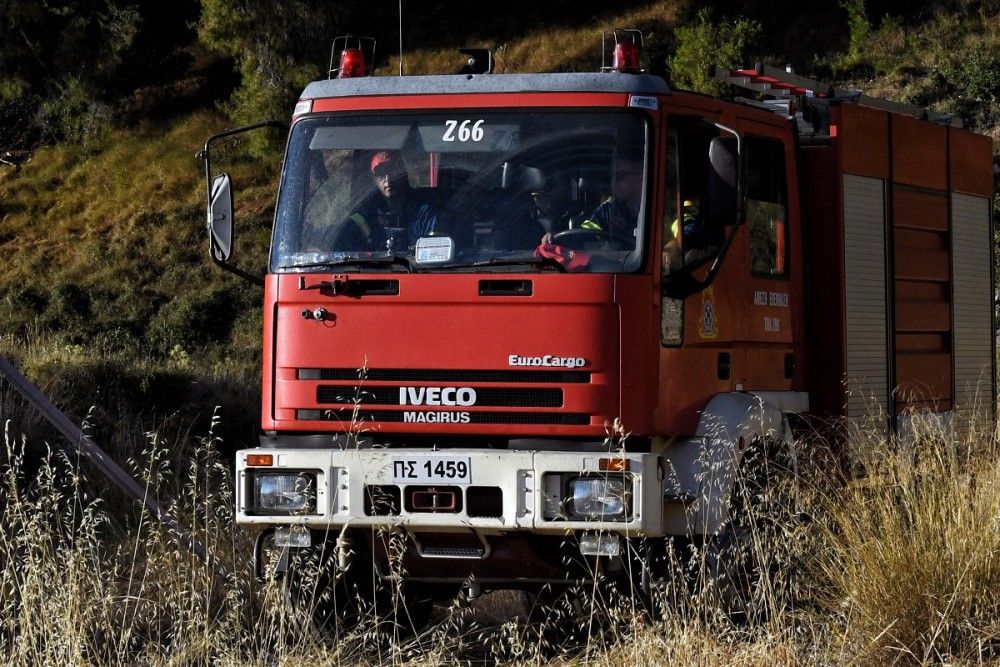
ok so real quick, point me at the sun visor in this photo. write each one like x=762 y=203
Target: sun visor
x=360 y=137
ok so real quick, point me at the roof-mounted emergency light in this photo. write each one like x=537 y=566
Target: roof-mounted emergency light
x=354 y=55
x=625 y=48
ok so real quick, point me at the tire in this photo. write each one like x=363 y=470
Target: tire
x=332 y=601
x=322 y=597
x=744 y=564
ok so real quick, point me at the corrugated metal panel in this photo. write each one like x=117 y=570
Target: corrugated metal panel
x=973 y=304
x=865 y=294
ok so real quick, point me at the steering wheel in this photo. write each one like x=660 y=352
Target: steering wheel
x=581 y=238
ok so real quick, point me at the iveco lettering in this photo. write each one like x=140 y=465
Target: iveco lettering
x=437 y=396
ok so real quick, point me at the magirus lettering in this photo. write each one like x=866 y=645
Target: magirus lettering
x=463 y=396
x=436 y=417
x=548 y=361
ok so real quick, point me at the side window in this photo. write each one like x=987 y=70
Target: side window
x=671 y=310
x=767 y=207
x=671 y=231
x=691 y=232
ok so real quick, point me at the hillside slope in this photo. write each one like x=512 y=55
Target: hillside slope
x=104 y=243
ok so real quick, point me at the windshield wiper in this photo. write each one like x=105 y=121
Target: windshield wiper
x=368 y=262
x=540 y=262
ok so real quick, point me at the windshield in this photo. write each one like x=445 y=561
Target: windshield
x=480 y=190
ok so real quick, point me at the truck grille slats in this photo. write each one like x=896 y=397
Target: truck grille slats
x=347 y=415
x=485 y=396
x=444 y=375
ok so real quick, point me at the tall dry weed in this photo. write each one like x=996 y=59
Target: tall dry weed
x=910 y=554
x=901 y=566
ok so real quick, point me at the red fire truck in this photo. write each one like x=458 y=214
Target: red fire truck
x=533 y=323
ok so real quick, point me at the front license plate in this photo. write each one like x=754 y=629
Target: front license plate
x=427 y=469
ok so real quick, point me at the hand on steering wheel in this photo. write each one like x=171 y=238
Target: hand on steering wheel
x=577 y=239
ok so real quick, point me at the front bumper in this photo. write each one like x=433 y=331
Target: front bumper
x=530 y=487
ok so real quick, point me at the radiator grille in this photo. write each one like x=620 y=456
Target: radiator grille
x=444 y=375
x=431 y=416
x=485 y=396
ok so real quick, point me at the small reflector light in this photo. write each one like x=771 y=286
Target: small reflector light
x=260 y=459
x=302 y=106
x=614 y=465
x=626 y=57
x=352 y=64
x=599 y=544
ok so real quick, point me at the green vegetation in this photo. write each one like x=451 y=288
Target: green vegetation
x=705 y=43
x=106 y=248
x=108 y=295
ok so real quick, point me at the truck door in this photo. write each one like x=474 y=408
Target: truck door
x=696 y=333
x=768 y=305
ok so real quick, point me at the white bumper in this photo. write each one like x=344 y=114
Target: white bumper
x=531 y=482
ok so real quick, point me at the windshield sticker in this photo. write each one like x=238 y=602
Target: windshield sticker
x=434 y=249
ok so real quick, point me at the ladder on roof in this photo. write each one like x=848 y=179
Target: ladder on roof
x=781 y=84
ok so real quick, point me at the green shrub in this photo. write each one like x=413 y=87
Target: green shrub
x=977 y=73
x=68 y=306
x=726 y=44
x=75 y=113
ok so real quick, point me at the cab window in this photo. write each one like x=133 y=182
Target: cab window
x=767 y=207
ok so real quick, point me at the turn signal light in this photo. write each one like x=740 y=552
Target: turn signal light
x=614 y=465
x=260 y=459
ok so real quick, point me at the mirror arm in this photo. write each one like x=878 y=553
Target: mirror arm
x=205 y=154
x=249 y=277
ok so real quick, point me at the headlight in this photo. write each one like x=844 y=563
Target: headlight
x=285 y=493
x=598 y=498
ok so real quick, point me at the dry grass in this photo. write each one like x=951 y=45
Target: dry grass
x=912 y=562
x=902 y=567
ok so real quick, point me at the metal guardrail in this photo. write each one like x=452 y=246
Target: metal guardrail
x=104 y=463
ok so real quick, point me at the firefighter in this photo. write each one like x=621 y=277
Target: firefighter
x=690 y=233
x=615 y=217
x=394 y=219
x=690 y=212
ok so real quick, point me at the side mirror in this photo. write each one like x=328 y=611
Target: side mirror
x=723 y=181
x=220 y=218
x=220 y=204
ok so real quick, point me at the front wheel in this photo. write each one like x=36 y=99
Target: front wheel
x=324 y=594
x=334 y=590
x=746 y=564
